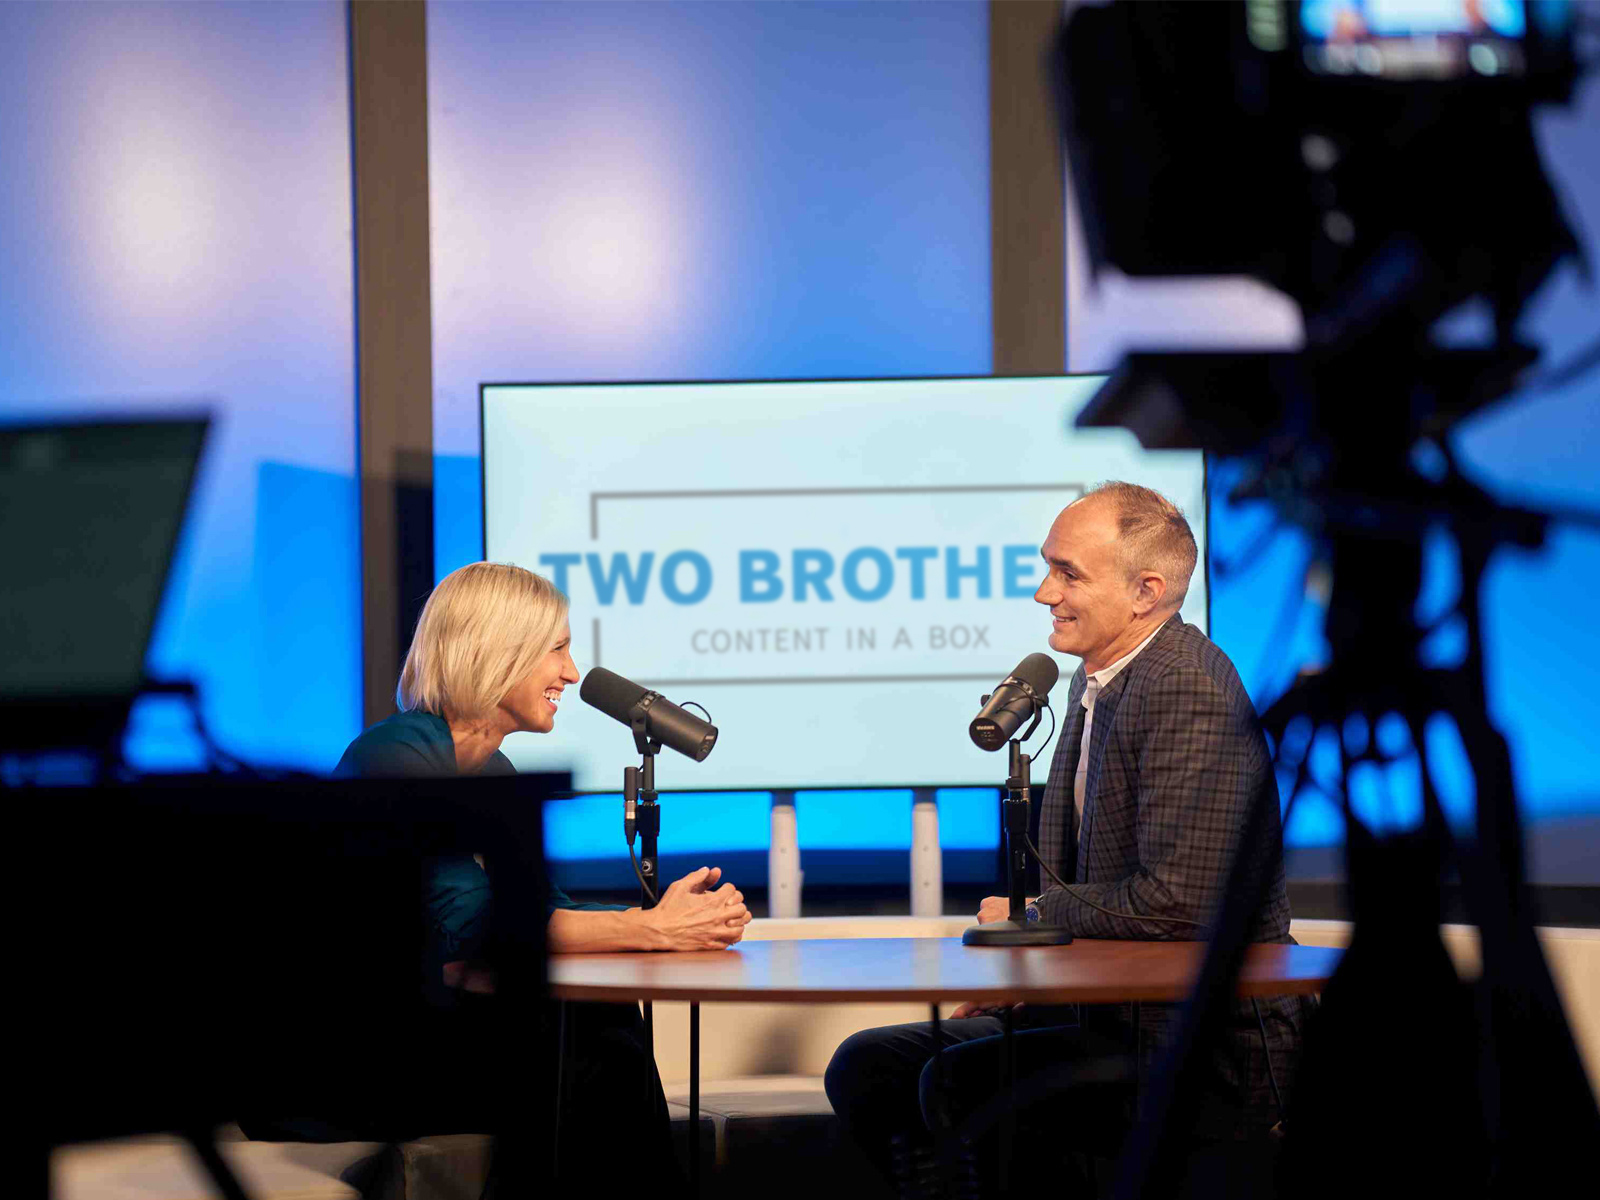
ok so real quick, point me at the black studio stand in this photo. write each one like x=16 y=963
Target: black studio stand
x=641 y=812
x=1015 y=930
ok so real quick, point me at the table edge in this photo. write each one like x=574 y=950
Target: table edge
x=1078 y=995
x=1154 y=991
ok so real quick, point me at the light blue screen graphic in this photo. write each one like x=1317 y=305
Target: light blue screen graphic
x=1330 y=19
x=836 y=570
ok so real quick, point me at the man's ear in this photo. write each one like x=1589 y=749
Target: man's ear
x=1149 y=591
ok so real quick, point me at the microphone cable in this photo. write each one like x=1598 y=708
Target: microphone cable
x=1049 y=737
x=1062 y=883
x=648 y=890
x=629 y=832
x=1071 y=890
x=1266 y=1048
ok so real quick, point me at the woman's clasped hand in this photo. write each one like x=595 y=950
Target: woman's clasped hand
x=695 y=914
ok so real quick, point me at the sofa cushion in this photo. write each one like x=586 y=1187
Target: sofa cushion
x=165 y=1168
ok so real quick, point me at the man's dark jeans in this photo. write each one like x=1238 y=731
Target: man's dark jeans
x=1074 y=1092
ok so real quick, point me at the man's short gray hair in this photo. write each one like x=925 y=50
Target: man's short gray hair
x=1152 y=535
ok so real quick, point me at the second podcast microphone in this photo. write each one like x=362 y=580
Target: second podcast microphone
x=1020 y=694
x=622 y=699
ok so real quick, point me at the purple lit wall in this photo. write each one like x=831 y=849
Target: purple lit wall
x=176 y=200
x=699 y=191
x=704 y=191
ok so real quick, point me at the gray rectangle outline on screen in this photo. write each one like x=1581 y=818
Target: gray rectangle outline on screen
x=750 y=493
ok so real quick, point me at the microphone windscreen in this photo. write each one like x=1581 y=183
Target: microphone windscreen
x=1039 y=671
x=610 y=693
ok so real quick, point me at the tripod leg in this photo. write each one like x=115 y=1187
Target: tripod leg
x=205 y=1148
x=561 y=1085
x=650 y=1049
x=1008 y=1123
x=694 y=1099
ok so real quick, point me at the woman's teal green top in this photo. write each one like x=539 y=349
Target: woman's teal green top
x=456 y=895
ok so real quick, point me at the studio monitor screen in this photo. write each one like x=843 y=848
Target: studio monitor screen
x=835 y=570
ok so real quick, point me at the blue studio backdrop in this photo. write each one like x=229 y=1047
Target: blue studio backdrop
x=676 y=190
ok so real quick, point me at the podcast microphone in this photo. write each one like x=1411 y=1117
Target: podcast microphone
x=1020 y=695
x=650 y=713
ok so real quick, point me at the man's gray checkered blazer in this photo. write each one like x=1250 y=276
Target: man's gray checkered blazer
x=1176 y=759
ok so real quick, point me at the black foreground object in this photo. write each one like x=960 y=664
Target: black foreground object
x=1228 y=139
x=203 y=947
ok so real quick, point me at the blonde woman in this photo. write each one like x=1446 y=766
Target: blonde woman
x=492 y=656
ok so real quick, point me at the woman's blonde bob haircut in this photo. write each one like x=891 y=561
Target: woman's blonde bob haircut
x=483 y=629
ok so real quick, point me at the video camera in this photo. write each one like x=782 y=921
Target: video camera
x=1375 y=161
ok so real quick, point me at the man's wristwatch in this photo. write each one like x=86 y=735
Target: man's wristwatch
x=1032 y=912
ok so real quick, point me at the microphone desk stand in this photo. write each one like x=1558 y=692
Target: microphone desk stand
x=644 y=814
x=639 y=803
x=1016 y=929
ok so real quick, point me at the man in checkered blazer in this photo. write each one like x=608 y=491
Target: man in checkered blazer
x=1160 y=760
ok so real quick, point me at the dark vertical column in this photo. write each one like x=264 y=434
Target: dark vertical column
x=394 y=335
x=1026 y=220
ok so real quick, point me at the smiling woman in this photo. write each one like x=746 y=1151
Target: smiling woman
x=490 y=657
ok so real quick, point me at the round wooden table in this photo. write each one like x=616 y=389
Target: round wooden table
x=931 y=969
x=826 y=971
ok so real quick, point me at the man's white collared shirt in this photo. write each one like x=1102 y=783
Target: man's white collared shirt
x=1095 y=682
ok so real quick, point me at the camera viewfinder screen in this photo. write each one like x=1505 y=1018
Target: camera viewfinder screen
x=1415 y=39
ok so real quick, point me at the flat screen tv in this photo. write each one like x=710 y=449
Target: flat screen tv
x=837 y=570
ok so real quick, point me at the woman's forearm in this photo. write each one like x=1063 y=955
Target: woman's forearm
x=579 y=931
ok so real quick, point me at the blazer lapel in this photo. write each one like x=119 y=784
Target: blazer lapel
x=1105 y=713
x=1057 y=834
x=1074 y=736
x=1075 y=715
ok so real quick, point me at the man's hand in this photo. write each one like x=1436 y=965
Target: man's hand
x=695 y=914
x=994 y=908
x=997 y=908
